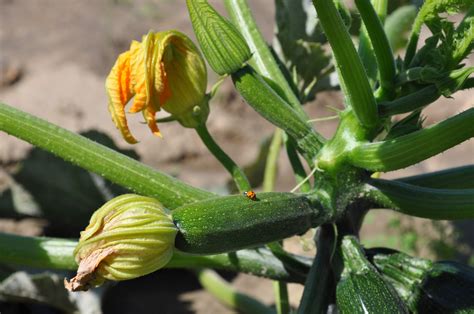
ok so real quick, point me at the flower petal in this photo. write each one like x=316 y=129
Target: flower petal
x=138 y=77
x=186 y=73
x=149 y=115
x=119 y=93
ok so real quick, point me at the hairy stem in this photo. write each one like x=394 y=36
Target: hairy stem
x=262 y=58
x=381 y=46
x=410 y=102
x=55 y=253
x=410 y=149
x=421 y=201
x=354 y=81
x=99 y=159
x=453 y=178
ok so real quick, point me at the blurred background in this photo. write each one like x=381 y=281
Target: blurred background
x=54 y=57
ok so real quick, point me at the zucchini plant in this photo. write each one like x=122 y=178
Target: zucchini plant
x=168 y=223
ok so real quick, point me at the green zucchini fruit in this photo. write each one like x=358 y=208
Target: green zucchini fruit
x=266 y=101
x=361 y=288
x=429 y=287
x=235 y=222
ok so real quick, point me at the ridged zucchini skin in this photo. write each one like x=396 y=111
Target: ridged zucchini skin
x=361 y=288
x=268 y=103
x=429 y=287
x=231 y=223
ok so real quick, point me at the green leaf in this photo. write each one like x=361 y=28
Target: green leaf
x=296 y=19
x=463 y=42
x=48 y=289
x=429 y=14
x=299 y=39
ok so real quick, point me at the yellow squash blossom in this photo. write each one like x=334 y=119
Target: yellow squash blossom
x=166 y=71
x=128 y=237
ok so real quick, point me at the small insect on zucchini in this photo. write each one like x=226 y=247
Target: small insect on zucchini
x=251 y=195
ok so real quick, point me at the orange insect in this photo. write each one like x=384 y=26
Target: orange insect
x=251 y=195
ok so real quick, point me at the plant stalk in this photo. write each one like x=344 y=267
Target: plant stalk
x=99 y=159
x=422 y=202
x=453 y=178
x=235 y=171
x=55 y=253
x=354 y=81
x=410 y=102
x=410 y=149
x=317 y=285
x=262 y=59
x=381 y=47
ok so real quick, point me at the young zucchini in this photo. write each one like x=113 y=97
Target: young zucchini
x=428 y=287
x=268 y=103
x=231 y=223
x=361 y=288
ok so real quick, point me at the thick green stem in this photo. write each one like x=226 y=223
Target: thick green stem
x=367 y=56
x=55 y=253
x=413 y=101
x=446 y=85
x=235 y=171
x=262 y=59
x=413 y=41
x=97 y=158
x=366 y=50
x=420 y=201
x=317 y=285
x=259 y=262
x=351 y=72
x=381 y=46
x=226 y=294
x=454 y=178
x=410 y=149
x=51 y=253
